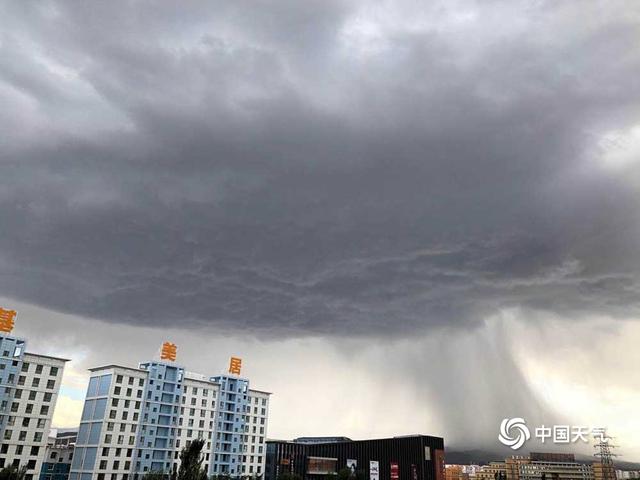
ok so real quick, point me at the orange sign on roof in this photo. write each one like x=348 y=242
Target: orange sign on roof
x=235 y=365
x=7 y=320
x=169 y=351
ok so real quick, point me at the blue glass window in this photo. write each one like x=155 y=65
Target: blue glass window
x=77 y=458
x=83 y=433
x=101 y=406
x=87 y=413
x=89 y=458
x=92 y=391
x=94 y=436
x=105 y=382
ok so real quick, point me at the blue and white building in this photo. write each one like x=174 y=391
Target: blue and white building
x=29 y=388
x=136 y=420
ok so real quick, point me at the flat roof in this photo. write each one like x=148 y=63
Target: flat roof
x=47 y=356
x=260 y=391
x=113 y=365
x=340 y=439
x=206 y=382
x=188 y=375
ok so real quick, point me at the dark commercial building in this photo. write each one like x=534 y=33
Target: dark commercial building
x=416 y=457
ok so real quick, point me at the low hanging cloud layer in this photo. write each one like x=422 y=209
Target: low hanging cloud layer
x=321 y=167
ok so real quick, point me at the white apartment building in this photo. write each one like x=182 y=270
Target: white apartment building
x=255 y=434
x=29 y=387
x=137 y=420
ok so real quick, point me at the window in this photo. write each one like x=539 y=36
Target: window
x=38 y=369
x=51 y=384
x=54 y=371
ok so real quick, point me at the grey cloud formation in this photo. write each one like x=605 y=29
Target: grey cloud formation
x=320 y=167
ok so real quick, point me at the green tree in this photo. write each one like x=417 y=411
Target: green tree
x=345 y=473
x=191 y=459
x=13 y=473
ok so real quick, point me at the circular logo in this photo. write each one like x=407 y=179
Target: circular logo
x=514 y=432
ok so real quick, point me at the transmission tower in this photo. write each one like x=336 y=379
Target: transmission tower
x=603 y=448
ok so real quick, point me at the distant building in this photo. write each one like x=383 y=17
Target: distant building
x=553 y=470
x=65 y=437
x=493 y=471
x=627 y=474
x=417 y=457
x=603 y=471
x=455 y=472
x=59 y=455
x=538 y=466
x=29 y=387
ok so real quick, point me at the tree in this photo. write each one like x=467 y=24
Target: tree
x=360 y=475
x=191 y=462
x=13 y=473
x=345 y=473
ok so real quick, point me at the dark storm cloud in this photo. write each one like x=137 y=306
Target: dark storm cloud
x=317 y=167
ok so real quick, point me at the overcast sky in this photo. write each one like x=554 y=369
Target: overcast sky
x=405 y=216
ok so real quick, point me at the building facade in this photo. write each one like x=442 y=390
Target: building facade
x=416 y=457
x=29 y=387
x=58 y=456
x=537 y=466
x=137 y=420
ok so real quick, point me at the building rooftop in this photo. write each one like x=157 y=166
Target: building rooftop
x=47 y=356
x=260 y=391
x=321 y=439
x=113 y=365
